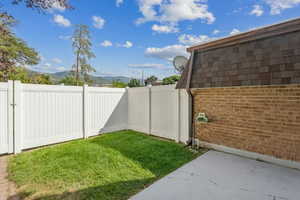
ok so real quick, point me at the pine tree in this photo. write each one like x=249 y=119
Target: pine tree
x=82 y=50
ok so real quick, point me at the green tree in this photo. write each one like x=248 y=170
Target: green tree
x=6 y=22
x=16 y=73
x=21 y=74
x=85 y=69
x=134 y=83
x=151 y=80
x=13 y=50
x=42 y=79
x=70 y=80
x=171 y=80
x=82 y=50
x=118 y=84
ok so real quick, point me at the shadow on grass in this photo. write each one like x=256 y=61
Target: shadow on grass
x=160 y=157
x=114 y=191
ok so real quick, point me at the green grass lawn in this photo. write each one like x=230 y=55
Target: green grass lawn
x=112 y=166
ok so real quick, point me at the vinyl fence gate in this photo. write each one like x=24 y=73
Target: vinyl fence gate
x=6 y=117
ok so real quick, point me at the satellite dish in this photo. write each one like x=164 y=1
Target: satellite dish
x=179 y=63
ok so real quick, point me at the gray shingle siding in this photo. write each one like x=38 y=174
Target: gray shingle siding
x=269 y=61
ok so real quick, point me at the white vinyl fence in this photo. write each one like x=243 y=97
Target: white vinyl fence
x=37 y=115
x=49 y=114
x=162 y=111
x=6 y=118
x=107 y=110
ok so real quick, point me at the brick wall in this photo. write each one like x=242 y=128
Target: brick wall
x=261 y=119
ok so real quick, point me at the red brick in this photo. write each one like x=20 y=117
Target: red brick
x=262 y=119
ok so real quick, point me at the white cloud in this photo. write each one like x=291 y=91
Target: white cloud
x=185 y=41
x=106 y=43
x=237 y=10
x=119 y=2
x=279 y=5
x=164 y=28
x=64 y=37
x=28 y=67
x=47 y=68
x=42 y=58
x=61 y=20
x=190 y=27
x=215 y=32
x=167 y=52
x=147 y=66
x=57 y=60
x=56 y=6
x=105 y=73
x=235 y=31
x=190 y=40
x=60 y=69
x=174 y=11
x=127 y=44
x=98 y=22
x=257 y=10
x=47 y=65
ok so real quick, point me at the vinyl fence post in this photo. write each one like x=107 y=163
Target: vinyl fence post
x=10 y=116
x=85 y=111
x=17 y=117
x=178 y=119
x=150 y=107
x=127 y=104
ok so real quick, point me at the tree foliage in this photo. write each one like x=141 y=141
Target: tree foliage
x=44 y=4
x=6 y=22
x=171 y=80
x=82 y=50
x=151 y=80
x=14 y=52
x=134 y=83
x=41 y=79
x=70 y=80
x=118 y=84
x=21 y=74
x=15 y=73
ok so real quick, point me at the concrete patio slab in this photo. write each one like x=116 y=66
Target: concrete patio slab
x=221 y=176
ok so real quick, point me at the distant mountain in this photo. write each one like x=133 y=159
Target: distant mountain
x=97 y=79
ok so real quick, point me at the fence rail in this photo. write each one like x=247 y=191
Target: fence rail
x=37 y=115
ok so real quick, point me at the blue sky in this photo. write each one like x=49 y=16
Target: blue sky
x=131 y=36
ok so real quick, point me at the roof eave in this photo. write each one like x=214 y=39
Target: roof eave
x=230 y=40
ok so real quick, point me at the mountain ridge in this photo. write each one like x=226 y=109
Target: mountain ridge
x=57 y=76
